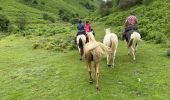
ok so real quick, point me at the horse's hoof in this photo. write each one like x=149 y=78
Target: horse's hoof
x=109 y=65
x=91 y=81
x=97 y=87
x=80 y=59
x=134 y=60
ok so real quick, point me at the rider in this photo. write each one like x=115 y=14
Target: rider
x=88 y=28
x=130 y=24
x=80 y=28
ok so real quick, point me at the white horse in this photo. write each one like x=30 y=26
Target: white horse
x=110 y=40
x=81 y=40
x=134 y=39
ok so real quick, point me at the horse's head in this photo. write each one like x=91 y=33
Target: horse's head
x=90 y=36
x=107 y=31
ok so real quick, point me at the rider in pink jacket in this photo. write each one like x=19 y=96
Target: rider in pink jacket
x=87 y=27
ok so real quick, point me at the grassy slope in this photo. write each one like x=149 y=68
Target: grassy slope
x=53 y=75
x=14 y=10
x=153 y=20
x=34 y=14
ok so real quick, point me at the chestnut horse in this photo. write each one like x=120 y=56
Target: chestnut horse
x=93 y=52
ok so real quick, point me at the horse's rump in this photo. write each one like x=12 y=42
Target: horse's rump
x=134 y=37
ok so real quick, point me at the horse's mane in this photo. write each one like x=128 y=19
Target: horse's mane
x=91 y=37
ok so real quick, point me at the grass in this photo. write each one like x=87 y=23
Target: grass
x=27 y=73
x=40 y=74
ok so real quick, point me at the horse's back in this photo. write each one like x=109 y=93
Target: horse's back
x=82 y=37
x=135 y=35
x=109 y=38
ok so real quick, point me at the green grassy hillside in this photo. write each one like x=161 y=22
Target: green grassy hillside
x=26 y=73
x=41 y=62
x=34 y=12
x=153 y=20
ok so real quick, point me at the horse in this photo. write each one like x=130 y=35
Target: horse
x=110 y=40
x=133 y=39
x=80 y=41
x=93 y=52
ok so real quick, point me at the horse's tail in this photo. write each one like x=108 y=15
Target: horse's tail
x=135 y=38
x=81 y=46
x=114 y=42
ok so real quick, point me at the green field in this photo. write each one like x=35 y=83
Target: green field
x=42 y=62
x=27 y=73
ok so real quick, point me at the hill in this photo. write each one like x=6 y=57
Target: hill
x=153 y=20
x=33 y=10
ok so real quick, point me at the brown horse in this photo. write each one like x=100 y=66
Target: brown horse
x=93 y=52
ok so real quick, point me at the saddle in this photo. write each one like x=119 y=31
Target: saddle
x=128 y=31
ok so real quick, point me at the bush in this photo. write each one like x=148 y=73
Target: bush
x=124 y=4
x=74 y=20
x=21 y=23
x=45 y=16
x=168 y=52
x=66 y=15
x=0 y=8
x=4 y=23
x=35 y=2
x=42 y=2
x=105 y=8
x=52 y=19
x=146 y=2
x=28 y=0
x=87 y=5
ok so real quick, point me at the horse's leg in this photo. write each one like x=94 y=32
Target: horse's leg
x=136 y=47
x=129 y=50
x=114 y=55
x=90 y=71
x=107 y=58
x=97 y=76
x=133 y=53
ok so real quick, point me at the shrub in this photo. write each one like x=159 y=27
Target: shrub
x=74 y=20
x=168 y=52
x=65 y=15
x=52 y=19
x=13 y=28
x=35 y=2
x=28 y=0
x=105 y=8
x=21 y=23
x=87 y=5
x=45 y=16
x=124 y=4
x=4 y=23
x=42 y=2
x=0 y=8
x=146 y=2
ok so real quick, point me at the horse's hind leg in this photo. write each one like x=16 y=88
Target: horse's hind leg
x=97 y=76
x=133 y=53
x=114 y=55
x=89 y=72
